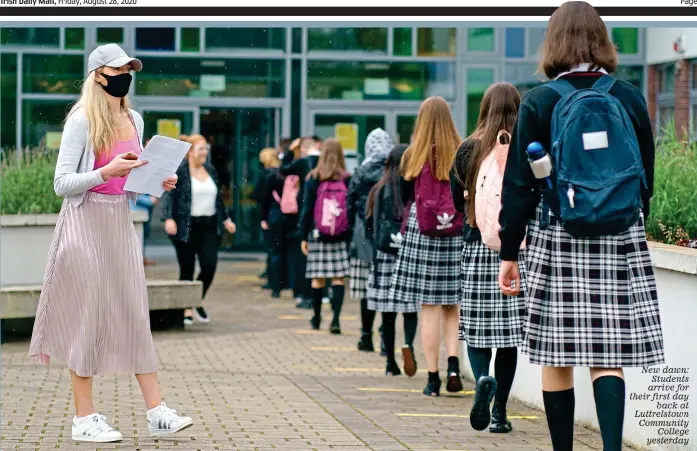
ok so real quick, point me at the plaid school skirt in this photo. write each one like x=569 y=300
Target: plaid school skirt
x=427 y=269
x=379 y=283
x=358 y=278
x=488 y=319
x=326 y=260
x=591 y=302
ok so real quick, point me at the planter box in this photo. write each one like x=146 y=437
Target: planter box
x=676 y=276
x=25 y=241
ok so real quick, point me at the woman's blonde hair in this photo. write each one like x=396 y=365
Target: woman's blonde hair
x=93 y=101
x=331 y=164
x=435 y=139
x=269 y=158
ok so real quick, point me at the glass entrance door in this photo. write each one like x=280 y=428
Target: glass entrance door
x=237 y=135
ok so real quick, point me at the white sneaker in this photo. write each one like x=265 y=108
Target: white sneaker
x=162 y=421
x=94 y=428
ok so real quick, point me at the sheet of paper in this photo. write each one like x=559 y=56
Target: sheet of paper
x=164 y=155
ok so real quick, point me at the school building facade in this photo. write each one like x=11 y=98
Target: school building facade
x=245 y=88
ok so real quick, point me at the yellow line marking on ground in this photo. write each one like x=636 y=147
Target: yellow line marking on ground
x=408 y=390
x=366 y=370
x=444 y=415
x=329 y=348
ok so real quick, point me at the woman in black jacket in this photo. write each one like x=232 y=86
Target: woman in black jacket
x=378 y=145
x=195 y=218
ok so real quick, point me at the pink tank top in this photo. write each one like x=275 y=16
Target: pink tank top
x=115 y=185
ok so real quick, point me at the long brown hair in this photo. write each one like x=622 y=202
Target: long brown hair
x=389 y=177
x=331 y=164
x=434 y=127
x=575 y=35
x=498 y=111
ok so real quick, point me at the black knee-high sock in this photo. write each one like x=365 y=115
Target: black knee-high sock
x=411 y=320
x=389 y=321
x=609 y=394
x=559 y=409
x=317 y=301
x=367 y=318
x=505 y=366
x=337 y=300
x=480 y=360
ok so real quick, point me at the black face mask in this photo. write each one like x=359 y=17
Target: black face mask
x=118 y=85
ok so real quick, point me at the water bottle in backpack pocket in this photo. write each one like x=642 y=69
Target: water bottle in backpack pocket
x=598 y=173
x=330 y=213
x=435 y=210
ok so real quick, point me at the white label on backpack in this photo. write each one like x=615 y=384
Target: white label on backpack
x=595 y=140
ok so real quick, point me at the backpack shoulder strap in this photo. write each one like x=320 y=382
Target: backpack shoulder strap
x=561 y=86
x=605 y=83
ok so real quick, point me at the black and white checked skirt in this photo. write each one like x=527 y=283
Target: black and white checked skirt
x=358 y=278
x=591 y=302
x=379 y=283
x=326 y=260
x=427 y=269
x=488 y=319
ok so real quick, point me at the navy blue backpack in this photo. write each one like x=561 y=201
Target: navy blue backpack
x=597 y=171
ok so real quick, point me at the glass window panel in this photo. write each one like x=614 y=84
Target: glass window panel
x=109 y=35
x=161 y=39
x=694 y=75
x=665 y=117
x=211 y=77
x=402 y=41
x=523 y=76
x=478 y=80
x=347 y=39
x=666 y=78
x=515 y=42
x=75 y=38
x=626 y=40
x=46 y=37
x=8 y=100
x=405 y=128
x=535 y=38
x=245 y=38
x=435 y=41
x=632 y=74
x=295 y=97
x=297 y=40
x=40 y=117
x=190 y=39
x=358 y=80
x=480 y=39
x=52 y=74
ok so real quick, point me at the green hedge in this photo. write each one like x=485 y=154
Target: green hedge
x=26 y=183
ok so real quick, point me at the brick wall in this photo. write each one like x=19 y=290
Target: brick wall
x=652 y=92
x=682 y=99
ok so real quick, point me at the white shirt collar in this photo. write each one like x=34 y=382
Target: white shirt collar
x=584 y=67
x=314 y=153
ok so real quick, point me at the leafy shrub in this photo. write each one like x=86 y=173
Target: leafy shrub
x=26 y=182
x=673 y=218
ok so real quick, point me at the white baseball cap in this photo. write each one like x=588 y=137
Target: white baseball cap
x=113 y=56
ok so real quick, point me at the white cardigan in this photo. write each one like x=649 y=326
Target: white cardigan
x=75 y=173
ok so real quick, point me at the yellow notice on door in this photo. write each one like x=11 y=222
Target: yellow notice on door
x=171 y=128
x=53 y=140
x=347 y=134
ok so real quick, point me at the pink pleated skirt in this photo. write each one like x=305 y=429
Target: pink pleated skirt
x=93 y=311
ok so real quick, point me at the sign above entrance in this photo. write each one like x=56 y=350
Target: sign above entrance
x=347 y=134
x=213 y=83
x=171 y=128
x=53 y=140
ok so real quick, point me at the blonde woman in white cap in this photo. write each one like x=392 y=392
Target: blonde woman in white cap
x=93 y=311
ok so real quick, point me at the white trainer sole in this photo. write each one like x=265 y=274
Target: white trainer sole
x=200 y=318
x=84 y=438
x=161 y=432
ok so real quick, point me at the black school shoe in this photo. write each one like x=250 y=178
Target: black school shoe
x=499 y=421
x=480 y=416
x=365 y=344
x=433 y=388
x=315 y=322
x=392 y=369
x=335 y=328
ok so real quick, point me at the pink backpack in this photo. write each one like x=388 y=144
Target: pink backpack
x=289 y=199
x=435 y=211
x=487 y=200
x=331 y=215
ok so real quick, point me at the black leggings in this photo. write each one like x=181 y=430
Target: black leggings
x=203 y=243
x=389 y=320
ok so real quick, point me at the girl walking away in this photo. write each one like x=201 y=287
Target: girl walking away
x=428 y=264
x=377 y=147
x=384 y=214
x=195 y=218
x=93 y=310
x=488 y=319
x=592 y=298
x=326 y=230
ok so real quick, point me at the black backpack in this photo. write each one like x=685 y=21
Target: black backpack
x=388 y=235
